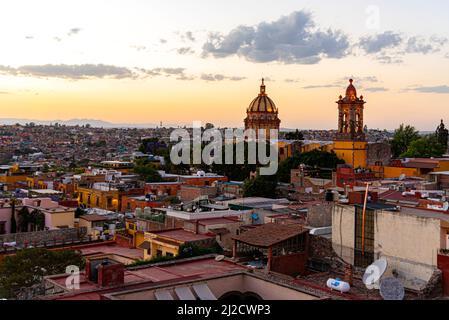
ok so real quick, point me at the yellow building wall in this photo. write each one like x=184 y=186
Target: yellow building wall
x=395 y=172
x=159 y=245
x=102 y=196
x=442 y=166
x=12 y=179
x=165 y=248
x=139 y=238
x=352 y=152
x=316 y=146
x=62 y=219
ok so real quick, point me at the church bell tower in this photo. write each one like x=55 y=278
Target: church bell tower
x=350 y=142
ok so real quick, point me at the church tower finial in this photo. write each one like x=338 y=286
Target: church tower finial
x=262 y=87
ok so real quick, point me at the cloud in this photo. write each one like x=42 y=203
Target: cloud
x=162 y=41
x=236 y=78
x=73 y=31
x=179 y=73
x=29 y=37
x=290 y=39
x=375 y=89
x=74 y=72
x=443 y=89
x=138 y=48
x=319 y=86
x=292 y=80
x=57 y=39
x=185 y=50
x=189 y=36
x=379 y=42
x=389 y=59
x=4 y=92
x=359 y=82
x=421 y=45
x=220 y=77
x=8 y=70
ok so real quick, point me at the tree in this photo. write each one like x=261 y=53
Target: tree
x=403 y=137
x=442 y=134
x=297 y=135
x=13 y=216
x=425 y=147
x=285 y=167
x=28 y=267
x=261 y=186
x=320 y=159
x=147 y=171
x=316 y=158
x=234 y=171
x=23 y=219
x=79 y=212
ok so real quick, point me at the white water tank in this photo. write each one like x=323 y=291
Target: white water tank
x=337 y=284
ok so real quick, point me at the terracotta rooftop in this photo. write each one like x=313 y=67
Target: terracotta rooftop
x=270 y=234
x=145 y=276
x=180 y=235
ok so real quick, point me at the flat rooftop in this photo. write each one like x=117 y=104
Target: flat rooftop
x=112 y=248
x=136 y=277
x=181 y=235
x=269 y=234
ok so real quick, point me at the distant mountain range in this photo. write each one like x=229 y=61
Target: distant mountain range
x=74 y=122
x=105 y=124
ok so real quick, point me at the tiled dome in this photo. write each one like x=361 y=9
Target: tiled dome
x=262 y=103
x=351 y=91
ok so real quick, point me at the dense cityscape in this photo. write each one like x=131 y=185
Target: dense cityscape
x=222 y=160
x=113 y=201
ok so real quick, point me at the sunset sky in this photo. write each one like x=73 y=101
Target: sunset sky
x=143 y=61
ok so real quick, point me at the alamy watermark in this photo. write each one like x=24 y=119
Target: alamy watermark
x=207 y=147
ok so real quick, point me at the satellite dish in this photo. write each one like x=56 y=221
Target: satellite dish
x=374 y=272
x=219 y=258
x=392 y=289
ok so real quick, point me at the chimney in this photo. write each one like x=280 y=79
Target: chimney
x=105 y=272
x=111 y=274
x=196 y=226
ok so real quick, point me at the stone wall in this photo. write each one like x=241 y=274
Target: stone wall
x=320 y=216
x=41 y=237
x=378 y=152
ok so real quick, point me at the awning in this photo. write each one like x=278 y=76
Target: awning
x=163 y=295
x=184 y=293
x=203 y=292
x=145 y=245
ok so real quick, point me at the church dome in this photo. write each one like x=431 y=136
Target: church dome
x=262 y=103
x=351 y=92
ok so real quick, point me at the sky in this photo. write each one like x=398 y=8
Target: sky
x=147 y=61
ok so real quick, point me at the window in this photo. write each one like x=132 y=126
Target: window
x=169 y=254
x=159 y=253
x=364 y=255
x=2 y=227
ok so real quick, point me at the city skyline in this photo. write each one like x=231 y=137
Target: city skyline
x=174 y=62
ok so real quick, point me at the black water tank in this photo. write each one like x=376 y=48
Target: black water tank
x=329 y=196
